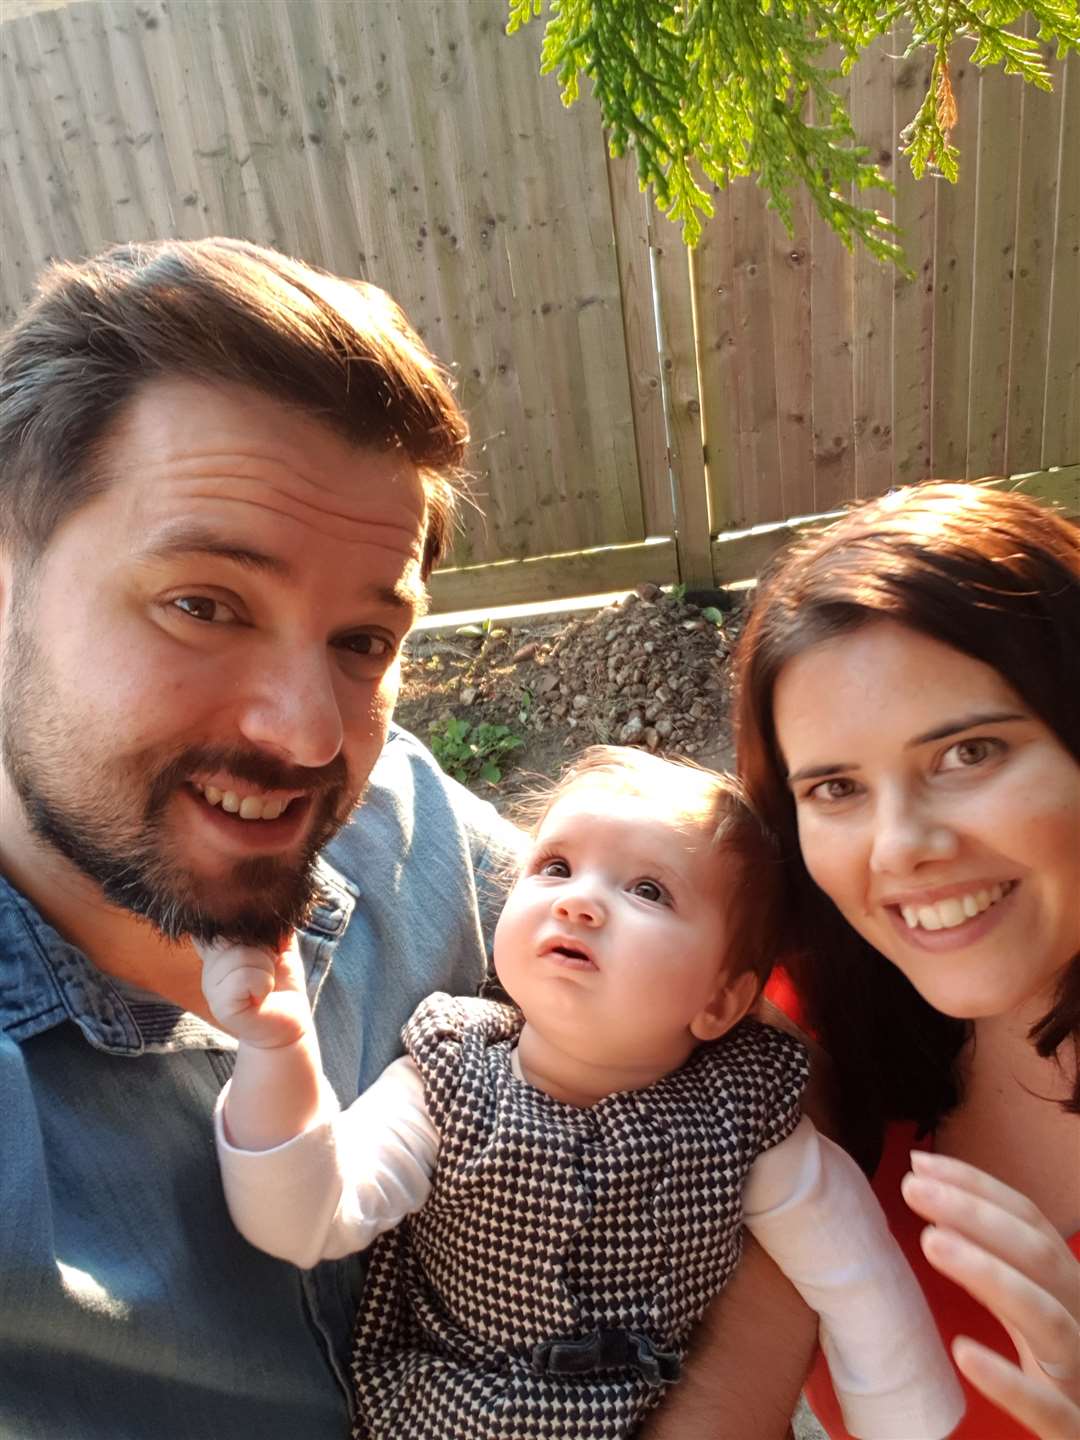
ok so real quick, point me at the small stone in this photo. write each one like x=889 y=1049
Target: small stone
x=648 y=592
x=467 y=694
x=632 y=731
x=580 y=703
x=662 y=695
x=652 y=739
x=663 y=727
x=694 y=624
x=649 y=647
x=525 y=653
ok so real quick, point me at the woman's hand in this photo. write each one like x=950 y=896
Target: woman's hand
x=993 y=1242
x=256 y=995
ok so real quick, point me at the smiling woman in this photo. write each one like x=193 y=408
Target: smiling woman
x=908 y=721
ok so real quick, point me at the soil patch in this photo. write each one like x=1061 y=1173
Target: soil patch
x=650 y=670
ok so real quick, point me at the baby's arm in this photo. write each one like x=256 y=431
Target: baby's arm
x=304 y=1180
x=810 y=1207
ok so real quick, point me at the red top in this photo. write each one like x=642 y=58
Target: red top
x=955 y=1312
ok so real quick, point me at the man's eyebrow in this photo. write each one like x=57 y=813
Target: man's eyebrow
x=939 y=732
x=405 y=594
x=197 y=540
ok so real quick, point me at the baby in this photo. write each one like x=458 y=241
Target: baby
x=560 y=1185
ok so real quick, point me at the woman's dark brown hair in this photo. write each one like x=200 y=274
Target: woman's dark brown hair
x=213 y=310
x=996 y=576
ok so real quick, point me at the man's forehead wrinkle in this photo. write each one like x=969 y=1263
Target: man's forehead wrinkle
x=405 y=526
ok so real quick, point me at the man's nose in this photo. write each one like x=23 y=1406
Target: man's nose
x=909 y=832
x=291 y=707
x=580 y=904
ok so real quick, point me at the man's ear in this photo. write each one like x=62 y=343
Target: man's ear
x=727 y=1007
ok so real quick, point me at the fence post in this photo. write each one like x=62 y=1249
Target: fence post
x=673 y=290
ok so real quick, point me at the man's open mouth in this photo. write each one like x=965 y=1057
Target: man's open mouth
x=248 y=804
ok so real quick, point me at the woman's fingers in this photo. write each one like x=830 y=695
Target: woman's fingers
x=1042 y=1408
x=1001 y=1221
x=950 y=1171
x=1049 y=1329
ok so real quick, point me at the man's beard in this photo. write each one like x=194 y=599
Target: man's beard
x=113 y=827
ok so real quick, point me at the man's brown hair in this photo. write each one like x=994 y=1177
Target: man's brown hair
x=213 y=310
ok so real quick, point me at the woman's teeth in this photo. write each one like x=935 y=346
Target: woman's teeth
x=251 y=807
x=957 y=910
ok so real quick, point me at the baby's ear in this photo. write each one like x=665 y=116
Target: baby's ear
x=727 y=1007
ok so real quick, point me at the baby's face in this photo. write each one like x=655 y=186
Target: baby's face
x=612 y=939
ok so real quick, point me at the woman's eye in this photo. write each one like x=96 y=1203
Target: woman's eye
x=828 y=792
x=202 y=607
x=649 y=890
x=555 y=869
x=966 y=753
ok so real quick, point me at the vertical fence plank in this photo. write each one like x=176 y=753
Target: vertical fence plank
x=872 y=351
x=996 y=155
x=1036 y=200
x=1061 y=410
x=630 y=216
x=792 y=343
x=755 y=363
x=953 y=272
x=711 y=269
x=914 y=209
x=678 y=358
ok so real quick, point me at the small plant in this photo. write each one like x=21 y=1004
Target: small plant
x=471 y=752
x=677 y=593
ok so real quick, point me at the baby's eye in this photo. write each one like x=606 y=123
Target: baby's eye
x=555 y=868
x=649 y=890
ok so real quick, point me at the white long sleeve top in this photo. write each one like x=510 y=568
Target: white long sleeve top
x=356 y=1173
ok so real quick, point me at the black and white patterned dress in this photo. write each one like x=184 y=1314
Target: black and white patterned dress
x=548 y=1288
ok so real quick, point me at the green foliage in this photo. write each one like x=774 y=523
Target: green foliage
x=708 y=90
x=471 y=752
x=713 y=615
x=677 y=593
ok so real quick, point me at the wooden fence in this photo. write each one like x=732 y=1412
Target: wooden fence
x=631 y=407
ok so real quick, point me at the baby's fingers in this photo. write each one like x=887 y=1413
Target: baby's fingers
x=1033 y=1402
x=1045 y=1324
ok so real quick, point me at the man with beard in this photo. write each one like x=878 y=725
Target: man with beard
x=224 y=479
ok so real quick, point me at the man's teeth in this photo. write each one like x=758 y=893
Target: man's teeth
x=947 y=914
x=251 y=807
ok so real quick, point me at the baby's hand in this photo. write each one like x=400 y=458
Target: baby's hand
x=258 y=996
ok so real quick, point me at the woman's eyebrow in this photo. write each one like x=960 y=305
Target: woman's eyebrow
x=821 y=772
x=965 y=722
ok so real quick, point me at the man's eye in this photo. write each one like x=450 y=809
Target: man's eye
x=555 y=869
x=649 y=890
x=373 y=647
x=202 y=607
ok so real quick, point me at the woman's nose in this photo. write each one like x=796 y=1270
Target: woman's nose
x=292 y=709
x=907 y=834
x=580 y=905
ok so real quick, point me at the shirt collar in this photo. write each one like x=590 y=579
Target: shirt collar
x=45 y=981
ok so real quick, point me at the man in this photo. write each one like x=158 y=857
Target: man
x=224 y=479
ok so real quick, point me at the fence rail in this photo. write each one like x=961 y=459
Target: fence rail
x=632 y=407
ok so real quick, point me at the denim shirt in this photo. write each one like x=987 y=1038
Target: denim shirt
x=130 y=1309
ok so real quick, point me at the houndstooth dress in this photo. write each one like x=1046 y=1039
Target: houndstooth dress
x=548 y=1287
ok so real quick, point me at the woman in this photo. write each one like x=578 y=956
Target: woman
x=909 y=721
